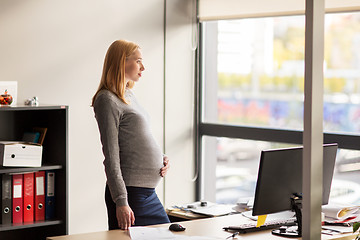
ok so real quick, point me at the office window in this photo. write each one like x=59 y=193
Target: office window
x=259 y=72
x=252 y=77
x=234 y=167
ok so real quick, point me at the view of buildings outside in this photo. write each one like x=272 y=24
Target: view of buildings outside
x=260 y=66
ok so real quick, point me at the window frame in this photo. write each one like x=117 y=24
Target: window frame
x=345 y=141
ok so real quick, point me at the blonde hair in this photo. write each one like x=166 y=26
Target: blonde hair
x=113 y=75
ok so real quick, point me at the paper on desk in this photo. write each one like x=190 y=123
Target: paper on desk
x=150 y=233
x=210 y=209
x=144 y=233
x=214 y=210
x=339 y=212
x=339 y=229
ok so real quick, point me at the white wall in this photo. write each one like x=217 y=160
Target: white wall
x=179 y=99
x=55 y=50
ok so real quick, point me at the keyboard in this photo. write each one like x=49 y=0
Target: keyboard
x=251 y=227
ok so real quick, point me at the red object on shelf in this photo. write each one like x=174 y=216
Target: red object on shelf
x=28 y=197
x=6 y=99
x=39 y=196
x=17 y=198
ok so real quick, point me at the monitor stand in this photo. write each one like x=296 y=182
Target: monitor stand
x=292 y=232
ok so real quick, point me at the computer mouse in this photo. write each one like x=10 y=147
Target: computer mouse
x=176 y=227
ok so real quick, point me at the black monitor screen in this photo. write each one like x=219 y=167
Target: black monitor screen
x=280 y=177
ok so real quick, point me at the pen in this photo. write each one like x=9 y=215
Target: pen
x=232 y=235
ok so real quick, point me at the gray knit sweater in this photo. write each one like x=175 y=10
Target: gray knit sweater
x=132 y=157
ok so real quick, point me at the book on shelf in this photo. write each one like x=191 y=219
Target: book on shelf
x=37 y=135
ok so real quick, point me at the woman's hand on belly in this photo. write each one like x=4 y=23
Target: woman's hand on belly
x=166 y=167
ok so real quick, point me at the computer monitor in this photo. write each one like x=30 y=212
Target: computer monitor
x=279 y=183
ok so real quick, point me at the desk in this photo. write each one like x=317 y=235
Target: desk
x=201 y=227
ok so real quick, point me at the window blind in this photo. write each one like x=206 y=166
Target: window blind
x=235 y=9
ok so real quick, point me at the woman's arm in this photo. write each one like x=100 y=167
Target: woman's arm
x=108 y=113
x=108 y=117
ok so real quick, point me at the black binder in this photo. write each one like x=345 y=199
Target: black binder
x=5 y=199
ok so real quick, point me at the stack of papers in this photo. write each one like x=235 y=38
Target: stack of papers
x=211 y=209
x=337 y=229
x=342 y=218
x=340 y=212
x=214 y=210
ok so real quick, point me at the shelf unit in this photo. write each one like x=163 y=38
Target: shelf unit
x=15 y=120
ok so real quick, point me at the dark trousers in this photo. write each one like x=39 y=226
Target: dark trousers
x=145 y=204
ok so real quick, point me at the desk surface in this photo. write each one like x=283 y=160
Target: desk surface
x=211 y=227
